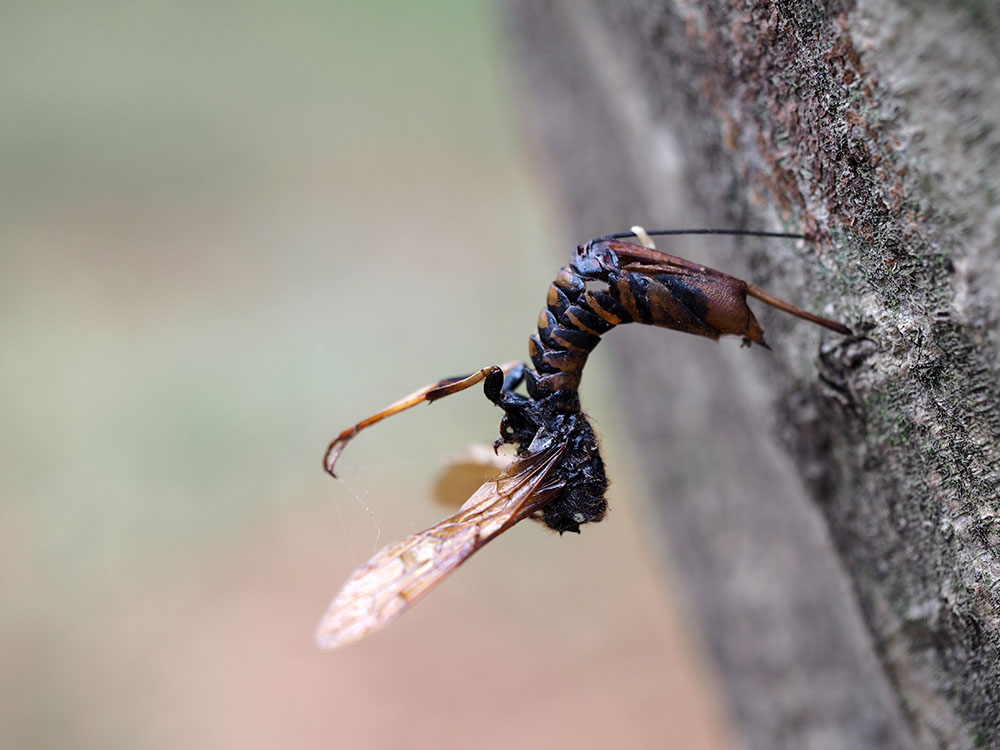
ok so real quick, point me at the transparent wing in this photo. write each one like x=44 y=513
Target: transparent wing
x=383 y=588
x=463 y=473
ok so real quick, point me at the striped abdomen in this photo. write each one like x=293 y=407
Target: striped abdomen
x=687 y=298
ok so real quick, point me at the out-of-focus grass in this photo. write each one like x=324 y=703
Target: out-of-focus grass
x=227 y=231
x=225 y=220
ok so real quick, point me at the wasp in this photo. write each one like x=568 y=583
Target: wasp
x=556 y=475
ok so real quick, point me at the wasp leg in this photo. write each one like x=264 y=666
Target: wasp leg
x=513 y=378
x=429 y=393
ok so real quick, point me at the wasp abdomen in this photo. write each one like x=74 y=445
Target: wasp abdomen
x=571 y=325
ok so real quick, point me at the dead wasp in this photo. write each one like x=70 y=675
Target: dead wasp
x=557 y=474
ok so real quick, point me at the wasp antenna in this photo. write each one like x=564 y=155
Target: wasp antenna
x=428 y=394
x=730 y=232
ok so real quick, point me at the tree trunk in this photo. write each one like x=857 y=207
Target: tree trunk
x=832 y=507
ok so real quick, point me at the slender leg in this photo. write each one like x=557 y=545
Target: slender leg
x=428 y=393
x=515 y=376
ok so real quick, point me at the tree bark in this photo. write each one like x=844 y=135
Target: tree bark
x=832 y=508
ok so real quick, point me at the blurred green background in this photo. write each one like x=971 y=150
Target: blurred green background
x=227 y=231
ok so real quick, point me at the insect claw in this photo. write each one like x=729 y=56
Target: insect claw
x=332 y=454
x=428 y=394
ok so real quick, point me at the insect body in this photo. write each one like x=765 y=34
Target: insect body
x=557 y=474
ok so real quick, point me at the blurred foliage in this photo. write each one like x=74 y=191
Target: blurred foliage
x=227 y=230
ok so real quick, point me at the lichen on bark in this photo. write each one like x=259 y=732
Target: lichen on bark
x=874 y=127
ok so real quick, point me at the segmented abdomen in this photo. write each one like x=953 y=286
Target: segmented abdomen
x=569 y=328
x=693 y=300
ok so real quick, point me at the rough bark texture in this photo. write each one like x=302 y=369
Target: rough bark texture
x=832 y=507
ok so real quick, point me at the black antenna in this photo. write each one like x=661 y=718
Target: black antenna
x=736 y=232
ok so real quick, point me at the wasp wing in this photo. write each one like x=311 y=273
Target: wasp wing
x=462 y=473
x=383 y=588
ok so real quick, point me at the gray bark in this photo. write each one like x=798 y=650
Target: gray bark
x=832 y=507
